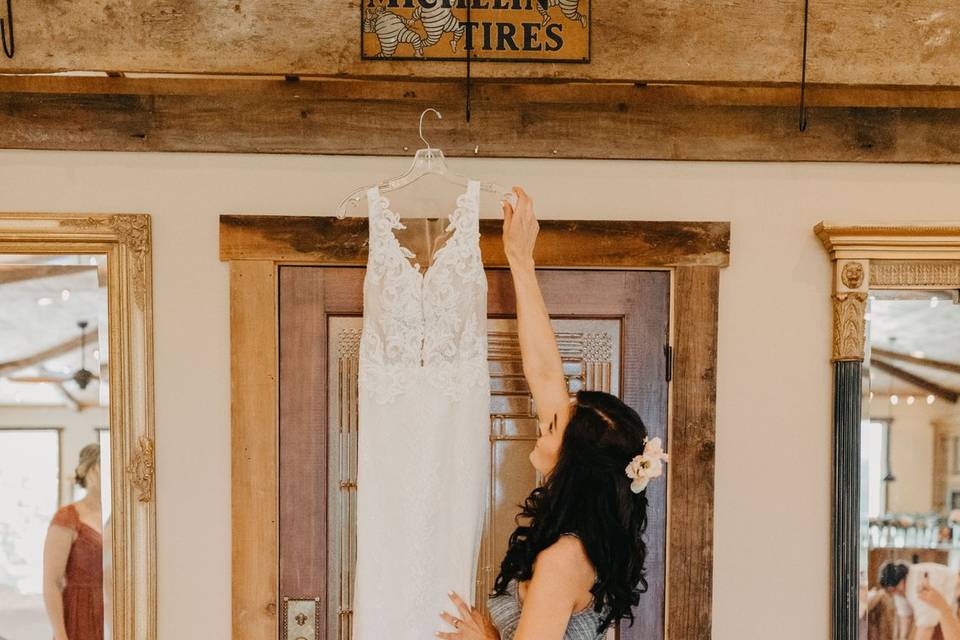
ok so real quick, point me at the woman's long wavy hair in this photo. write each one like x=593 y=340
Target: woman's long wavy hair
x=588 y=493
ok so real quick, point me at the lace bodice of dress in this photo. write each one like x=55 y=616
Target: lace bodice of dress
x=424 y=327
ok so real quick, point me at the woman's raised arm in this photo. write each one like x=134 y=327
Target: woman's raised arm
x=542 y=365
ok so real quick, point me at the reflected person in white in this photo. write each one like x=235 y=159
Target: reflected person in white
x=906 y=581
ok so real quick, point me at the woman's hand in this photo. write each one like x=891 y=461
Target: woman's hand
x=470 y=625
x=931 y=596
x=520 y=228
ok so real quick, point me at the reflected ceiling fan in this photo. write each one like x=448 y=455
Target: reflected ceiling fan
x=81 y=376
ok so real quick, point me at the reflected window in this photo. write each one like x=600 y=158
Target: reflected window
x=875 y=436
x=29 y=496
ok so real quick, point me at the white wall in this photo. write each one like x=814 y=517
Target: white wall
x=774 y=407
x=911 y=450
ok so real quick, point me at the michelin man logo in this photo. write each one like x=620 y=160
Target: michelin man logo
x=430 y=21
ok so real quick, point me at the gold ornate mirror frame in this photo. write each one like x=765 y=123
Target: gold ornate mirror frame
x=125 y=240
x=865 y=258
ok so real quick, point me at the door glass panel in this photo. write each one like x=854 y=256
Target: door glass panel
x=590 y=349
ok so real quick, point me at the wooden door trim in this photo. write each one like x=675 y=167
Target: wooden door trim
x=693 y=251
x=581 y=244
x=254 y=420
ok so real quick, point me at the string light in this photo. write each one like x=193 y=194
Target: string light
x=65 y=295
x=910 y=399
x=934 y=301
x=931 y=398
x=894 y=399
x=44 y=302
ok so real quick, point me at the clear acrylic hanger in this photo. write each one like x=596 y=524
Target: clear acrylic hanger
x=427 y=161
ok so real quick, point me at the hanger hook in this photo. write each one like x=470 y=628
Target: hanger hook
x=3 y=31
x=421 y=123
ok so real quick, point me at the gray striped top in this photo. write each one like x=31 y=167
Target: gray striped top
x=505 y=614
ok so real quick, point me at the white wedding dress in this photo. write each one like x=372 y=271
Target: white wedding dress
x=423 y=448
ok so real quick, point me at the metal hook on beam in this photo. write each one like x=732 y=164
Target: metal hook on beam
x=3 y=30
x=467 y=47
x=803 y=72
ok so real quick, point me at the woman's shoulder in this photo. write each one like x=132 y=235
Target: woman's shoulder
x=570 y=546
x=66 y=516
x=568 y=555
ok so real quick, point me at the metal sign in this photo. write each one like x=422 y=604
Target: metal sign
x=498 y=30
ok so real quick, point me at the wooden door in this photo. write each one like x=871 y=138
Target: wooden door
x=612 y=330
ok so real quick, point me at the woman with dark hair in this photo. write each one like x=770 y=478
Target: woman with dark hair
x=575 y=565
x=911 y=586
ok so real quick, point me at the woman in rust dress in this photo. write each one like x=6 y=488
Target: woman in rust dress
x=73 y=559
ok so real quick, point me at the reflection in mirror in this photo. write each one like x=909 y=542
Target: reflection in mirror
x=54 y=448
x=910 y=467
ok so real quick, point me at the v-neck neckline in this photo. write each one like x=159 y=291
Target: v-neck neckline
x=383 y=207
x=80 y=521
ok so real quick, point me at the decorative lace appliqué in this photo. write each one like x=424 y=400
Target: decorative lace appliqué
x=424 y=327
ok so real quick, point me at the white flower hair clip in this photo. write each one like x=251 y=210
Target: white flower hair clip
x=647 y=465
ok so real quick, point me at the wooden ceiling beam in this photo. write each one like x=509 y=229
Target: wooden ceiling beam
x=568 y=121
x=496 y=91
x=926 y=362
x=10 y=273
x=941 y=392
x=69 y=398
x=42 y=356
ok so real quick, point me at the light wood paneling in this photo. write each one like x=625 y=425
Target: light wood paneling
x=253 y=416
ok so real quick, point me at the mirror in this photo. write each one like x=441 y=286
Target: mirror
x=895 y=337
x=54 y=447
x=77 y=519
x=909 y=461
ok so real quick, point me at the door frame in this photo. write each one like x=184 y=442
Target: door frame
x=256 y=246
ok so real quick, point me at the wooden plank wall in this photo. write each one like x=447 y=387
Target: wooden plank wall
x=508 y=120
x=746 y=41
